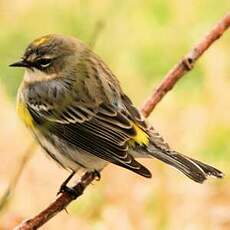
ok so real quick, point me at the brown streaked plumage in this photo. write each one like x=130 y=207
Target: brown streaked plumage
x=79 y=114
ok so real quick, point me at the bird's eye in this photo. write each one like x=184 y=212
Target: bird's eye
x=43 y=62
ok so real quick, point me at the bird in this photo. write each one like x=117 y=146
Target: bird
x=77 y=111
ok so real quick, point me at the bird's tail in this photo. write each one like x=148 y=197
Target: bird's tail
x=193 y=169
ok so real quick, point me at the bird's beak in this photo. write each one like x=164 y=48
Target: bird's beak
x=21 y=63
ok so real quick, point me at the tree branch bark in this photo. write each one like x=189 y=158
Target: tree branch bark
x=185 y=65
x=179 y=70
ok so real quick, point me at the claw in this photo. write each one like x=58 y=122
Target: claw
x=63 y=187
x=97 y=175
x=69 y=190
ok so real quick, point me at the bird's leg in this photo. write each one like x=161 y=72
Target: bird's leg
x=65 y=188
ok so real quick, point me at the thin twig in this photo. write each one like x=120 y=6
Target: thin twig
x=170 y=80
x=58 y=205
x=10 y=189
x=100 y=24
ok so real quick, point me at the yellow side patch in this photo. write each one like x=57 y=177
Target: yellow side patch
x=141 y=138
x=24 y=114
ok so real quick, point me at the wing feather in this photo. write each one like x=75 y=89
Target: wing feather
x=104 y=134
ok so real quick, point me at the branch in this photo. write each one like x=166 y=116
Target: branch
x=58 y=205
x=185 y=65
x=167 y=84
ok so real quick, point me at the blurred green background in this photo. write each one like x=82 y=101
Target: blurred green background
x=140 y=41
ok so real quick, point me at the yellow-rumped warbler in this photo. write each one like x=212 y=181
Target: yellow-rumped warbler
x=79 y=114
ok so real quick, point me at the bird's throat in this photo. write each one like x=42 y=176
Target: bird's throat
x=36 y=75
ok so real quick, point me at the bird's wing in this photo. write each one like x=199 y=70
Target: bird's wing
x=154 y=136
x=105 y=133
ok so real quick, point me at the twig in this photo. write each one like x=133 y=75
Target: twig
x=10 y=189
x=100 y=24
x=58 y=205
x=171 y=78
x=185 y=65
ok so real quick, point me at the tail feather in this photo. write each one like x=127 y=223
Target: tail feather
x=193 y=169
x=208 y=169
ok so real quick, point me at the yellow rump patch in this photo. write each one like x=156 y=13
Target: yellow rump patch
x=24 y=114
x=141 y=138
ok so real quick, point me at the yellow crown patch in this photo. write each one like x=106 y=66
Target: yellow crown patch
x=41 y=40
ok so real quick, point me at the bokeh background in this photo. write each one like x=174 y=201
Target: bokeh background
x=140 y=41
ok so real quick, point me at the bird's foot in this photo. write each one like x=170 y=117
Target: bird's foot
x=97 y=175
x=64 y=187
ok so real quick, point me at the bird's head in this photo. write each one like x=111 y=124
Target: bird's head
x=48 y=56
